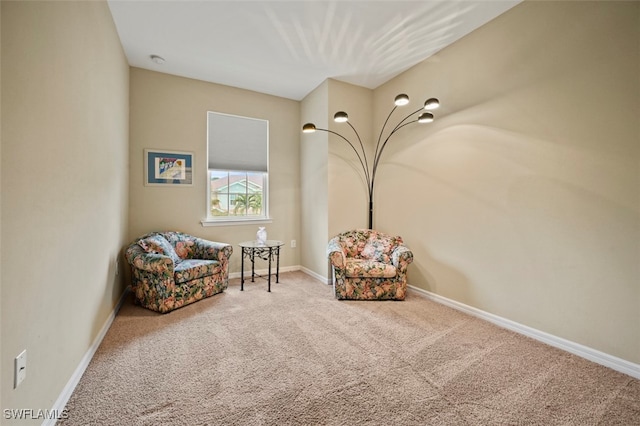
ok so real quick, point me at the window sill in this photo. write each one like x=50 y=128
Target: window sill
x=234 y=222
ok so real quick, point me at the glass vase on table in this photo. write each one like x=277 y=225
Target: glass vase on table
x=261 y=235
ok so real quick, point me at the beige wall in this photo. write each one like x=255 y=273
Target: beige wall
x=522 y=198
x=314 y=108
x=64 y=189
x=169 y=112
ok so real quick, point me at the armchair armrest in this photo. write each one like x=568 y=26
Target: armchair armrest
x=336 y=254
x=192 y=247
x=212 y=250
x=401 y=257
x=151 y=262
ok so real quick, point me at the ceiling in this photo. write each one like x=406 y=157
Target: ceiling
x=287 y=48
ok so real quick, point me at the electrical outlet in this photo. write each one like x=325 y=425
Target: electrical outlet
x=293 y=243
x=20 y=369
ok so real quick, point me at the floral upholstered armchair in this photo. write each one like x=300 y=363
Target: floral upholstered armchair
x=369 y=265
x=172 y=269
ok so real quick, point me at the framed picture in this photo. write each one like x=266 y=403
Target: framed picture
x=172 y=168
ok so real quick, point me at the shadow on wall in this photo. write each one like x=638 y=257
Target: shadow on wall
x=514 y=210
x=483 y=162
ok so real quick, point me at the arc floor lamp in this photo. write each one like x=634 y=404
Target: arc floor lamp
x=370 y=169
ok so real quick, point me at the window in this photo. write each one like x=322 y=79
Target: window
x=237 y=168
x=236 y=195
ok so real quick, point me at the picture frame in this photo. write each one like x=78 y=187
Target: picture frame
x=168 y=168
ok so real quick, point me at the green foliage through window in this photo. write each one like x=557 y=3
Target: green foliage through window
x=236 y=194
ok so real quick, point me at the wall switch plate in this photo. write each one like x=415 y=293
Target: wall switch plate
x=20 y=371
x=293 y=243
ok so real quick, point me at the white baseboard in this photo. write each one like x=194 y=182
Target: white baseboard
x=586 y=352
x=62 y=400
x=315 y=275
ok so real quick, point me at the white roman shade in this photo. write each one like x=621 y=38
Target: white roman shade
x=237 y=143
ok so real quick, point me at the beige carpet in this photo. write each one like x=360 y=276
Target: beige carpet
x=297 y=356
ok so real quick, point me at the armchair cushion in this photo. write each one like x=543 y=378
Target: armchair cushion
x=191 y=269
x=369 y=268
x=379 y=247
x=157 y=244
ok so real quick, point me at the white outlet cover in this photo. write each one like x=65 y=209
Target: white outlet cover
x=20 y=368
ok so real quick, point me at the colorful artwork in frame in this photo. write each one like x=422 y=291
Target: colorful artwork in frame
x=172 y=168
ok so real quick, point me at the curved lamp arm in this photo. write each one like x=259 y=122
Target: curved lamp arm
x=365 y=166
x=387 y=139
x=362 y=163
x=382 y=131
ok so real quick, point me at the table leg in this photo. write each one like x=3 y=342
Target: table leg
x=253 y=265
x=242 y=270
x=269 y=272
x=278 y=264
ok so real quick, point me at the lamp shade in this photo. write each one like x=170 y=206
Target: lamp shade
x=431 y=103
x=425 y=117
x=309 y=128
x=401 y=100
x=340 y=117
